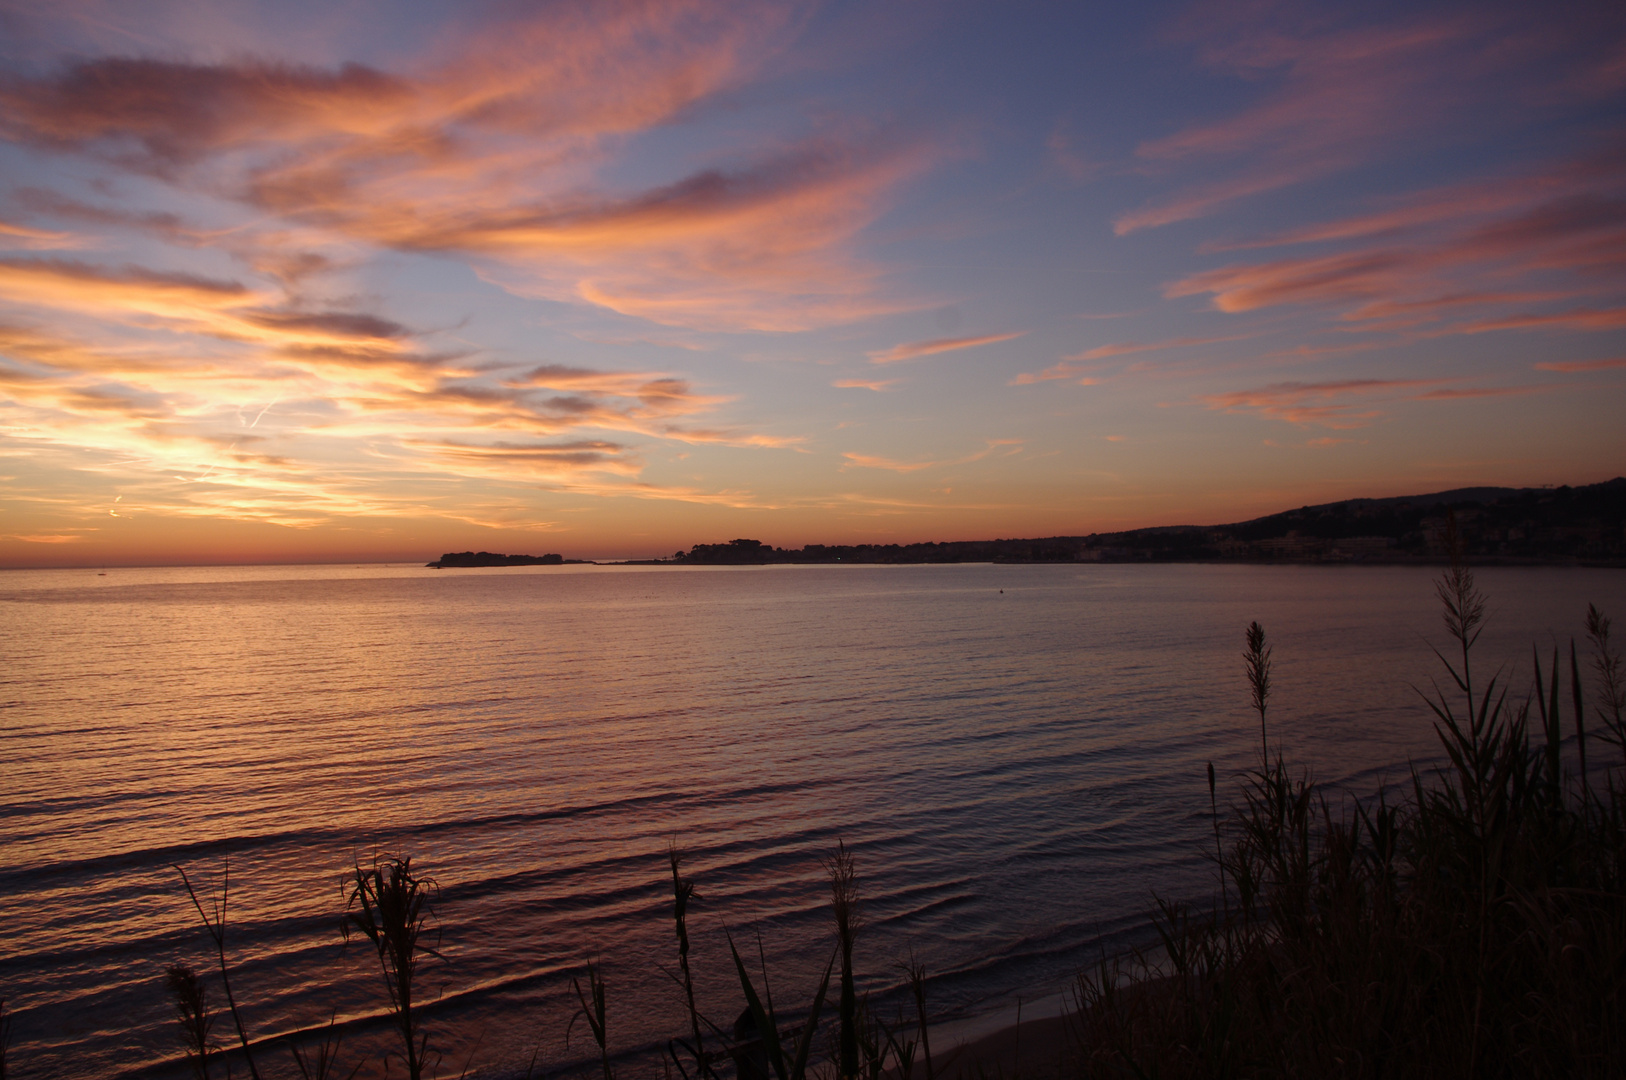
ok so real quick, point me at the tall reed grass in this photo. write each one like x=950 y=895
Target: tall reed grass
x=1471 y=924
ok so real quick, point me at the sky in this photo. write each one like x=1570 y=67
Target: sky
x=305 y=282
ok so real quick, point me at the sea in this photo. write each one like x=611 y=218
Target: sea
x=1014 y=755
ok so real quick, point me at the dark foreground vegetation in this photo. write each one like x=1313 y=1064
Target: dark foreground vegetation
x=1469 y=923
x=1472 y=924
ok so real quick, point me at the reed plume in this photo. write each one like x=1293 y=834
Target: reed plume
x=186 y=993
x=1256 y=663
x=390 y=906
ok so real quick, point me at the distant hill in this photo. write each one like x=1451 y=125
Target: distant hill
x=1495 y=525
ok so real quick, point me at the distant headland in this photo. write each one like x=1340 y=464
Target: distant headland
x=1511 y=526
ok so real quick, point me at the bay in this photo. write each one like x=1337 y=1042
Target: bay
x=1016 y=755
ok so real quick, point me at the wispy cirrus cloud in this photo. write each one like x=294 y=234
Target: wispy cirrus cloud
x=1079 y=365
x=1062 y=369
x=1572 y=367
x=1531 y=251
x=1342 y=93
x=28 y=238
x=1124 y=348
x=871 y=461
x=878 y=385
x=1573 y=319
x=914 y=350
x=1343 y=404
x=491 y=154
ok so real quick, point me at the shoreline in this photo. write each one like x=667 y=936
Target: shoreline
x=1000 y=1042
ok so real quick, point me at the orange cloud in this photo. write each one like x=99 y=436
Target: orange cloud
x=280 y=429
x=23 y=236
x=77 y=286
x=916 y=349
x=879 y=385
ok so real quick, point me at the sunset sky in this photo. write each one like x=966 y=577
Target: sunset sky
x=342 y=281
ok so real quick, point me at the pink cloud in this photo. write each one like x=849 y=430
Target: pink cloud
x=1512 y=249
x=1122 y=348
x=1343 y=404
x=1574 y=319
x=1343 y=94
x=1077 y=364
x=492 y=153
x=869 y=461
x=1574 y=366
x=916 y=349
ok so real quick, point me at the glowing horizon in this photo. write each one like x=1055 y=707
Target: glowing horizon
x=295 y=283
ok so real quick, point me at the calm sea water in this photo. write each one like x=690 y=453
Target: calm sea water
x=1015 y=755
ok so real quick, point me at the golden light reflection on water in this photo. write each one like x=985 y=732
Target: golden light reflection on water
x=536 y=737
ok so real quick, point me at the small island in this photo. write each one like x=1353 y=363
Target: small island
x=487 y=558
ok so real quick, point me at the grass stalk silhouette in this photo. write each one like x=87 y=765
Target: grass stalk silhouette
x=844 y=906
x=682 y=893
x=390 y=906
x=214 y=921
x=594 y=1012
x=322 y=1063
x=915 y=973
x=1611 y=677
